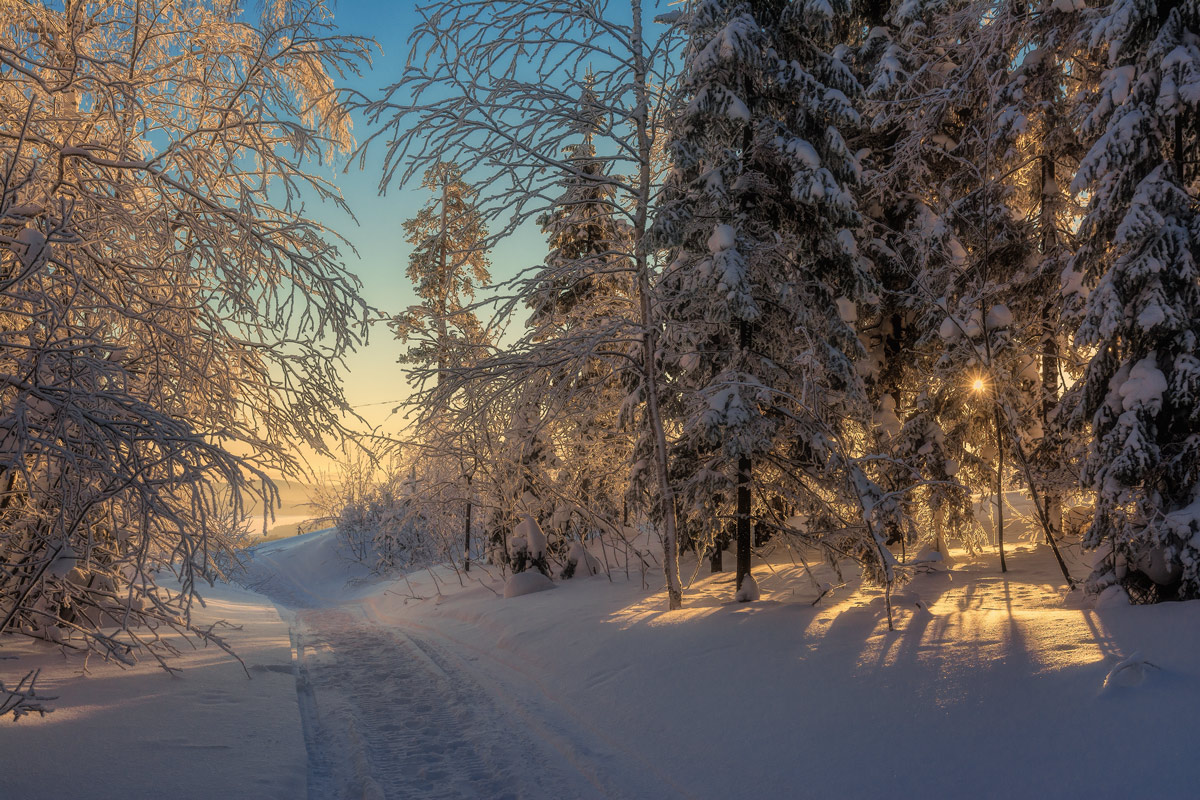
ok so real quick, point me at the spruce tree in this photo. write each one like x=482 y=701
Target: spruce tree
x=929 y=198
x=759 y=220
x=1140 y=242
x=448 y=262
x=581 y=300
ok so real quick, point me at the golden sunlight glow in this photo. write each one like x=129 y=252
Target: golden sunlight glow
x=978 y=385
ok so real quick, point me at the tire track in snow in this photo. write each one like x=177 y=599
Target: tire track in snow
x=386 y=720
x=611 y=768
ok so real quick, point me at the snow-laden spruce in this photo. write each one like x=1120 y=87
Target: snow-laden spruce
x=1141 y=239
x=764 y=277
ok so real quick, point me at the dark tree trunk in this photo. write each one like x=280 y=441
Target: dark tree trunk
x=717 y=557
x=745 y=471
x=1051 y=500
x=467 y=532
x=1000 y=490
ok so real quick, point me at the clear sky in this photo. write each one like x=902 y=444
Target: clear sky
x=374 y=381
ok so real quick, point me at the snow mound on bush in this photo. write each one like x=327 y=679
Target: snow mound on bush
x=585 y=563
x=527 y=582
x=528 y=536
x=749 y=592
x=1129 y=672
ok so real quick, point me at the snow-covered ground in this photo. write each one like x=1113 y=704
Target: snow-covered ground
x=209 y=732
x=426 y=687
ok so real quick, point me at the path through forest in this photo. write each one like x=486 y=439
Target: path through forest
x=394 y=713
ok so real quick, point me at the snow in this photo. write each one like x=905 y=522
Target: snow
x=999 y=316
x=885 y=416
x=805 y=152
x=724 y=237
x=118 y=734
x=1129 y=672
x=846 y=309
x=528 y=535
x=427 y=686
x=527 y=582
x=1144 y=387
x=585 y=563
x=33 y=243
x=749 y=593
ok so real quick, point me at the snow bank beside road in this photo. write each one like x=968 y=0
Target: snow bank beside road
x=990 y=687
x=208 y=733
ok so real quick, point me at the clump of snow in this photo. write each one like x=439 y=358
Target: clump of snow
x=1071 y=282
x=930 y=556
x=958 y=253
x=724 y=237
x=805 y=152
x=1068 y=6
x=949 y=330
x=528 y=536
x=749 y=593
x=885 y=416
x=999 y=316
x=34 y=242
x=1112 y=597
x=846 y=310
x=974 y=326
x=1128 y=673
x=1145 y=385
x=527 y=582
x=585 y=563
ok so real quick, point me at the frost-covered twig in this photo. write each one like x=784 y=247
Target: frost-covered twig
x=23 y=698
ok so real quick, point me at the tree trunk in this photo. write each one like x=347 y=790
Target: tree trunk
x=716 y=561
x=743 y=519
x=467 y=531
x=1000 y=489
x=666 y=494
x=745 y=473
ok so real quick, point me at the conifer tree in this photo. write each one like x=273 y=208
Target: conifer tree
x=1042 y=150
x=579 y=298
x=759 y=220
x=448 y=262
x=967 y=247
x=1138 y=257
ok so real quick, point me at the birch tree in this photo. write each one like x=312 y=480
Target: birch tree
x=494 y=86
x=172 y=322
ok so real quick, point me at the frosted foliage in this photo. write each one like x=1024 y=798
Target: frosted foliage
x=1144 y=387
x=1180 y=88
x=176 y=317
x=1143 y=316
x=556 y=110
x=734 y=42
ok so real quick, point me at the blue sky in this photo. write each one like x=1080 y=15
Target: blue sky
x=374 y=381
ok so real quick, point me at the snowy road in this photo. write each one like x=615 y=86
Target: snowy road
x=396 y=711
